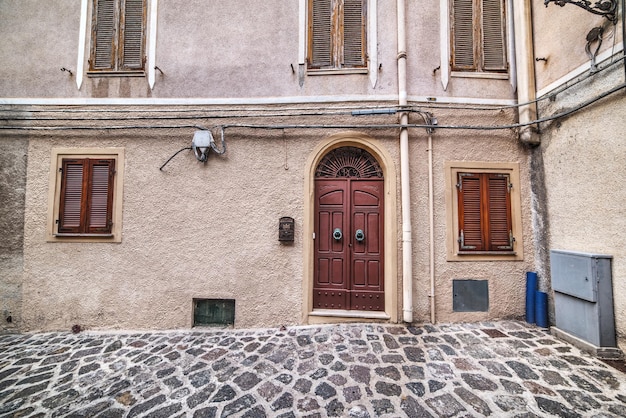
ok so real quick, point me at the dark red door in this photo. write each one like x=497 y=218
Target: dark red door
x=349 y=244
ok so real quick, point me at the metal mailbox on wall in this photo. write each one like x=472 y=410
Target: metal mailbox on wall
x=583 y=296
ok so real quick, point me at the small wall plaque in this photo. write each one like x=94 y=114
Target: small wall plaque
x=286 y=229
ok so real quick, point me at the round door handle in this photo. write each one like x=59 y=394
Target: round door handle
x=359 y=235
x=337 y=235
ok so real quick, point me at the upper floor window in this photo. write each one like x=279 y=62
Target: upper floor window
x=118 y=33
x=478 y=36
x=337 y=34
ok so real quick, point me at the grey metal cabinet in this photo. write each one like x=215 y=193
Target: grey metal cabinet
x=583 y=296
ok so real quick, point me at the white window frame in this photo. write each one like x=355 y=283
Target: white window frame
x=84 y=47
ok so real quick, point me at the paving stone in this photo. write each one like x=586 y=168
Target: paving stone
x=352 y=393
x=556 y=408
x=390 y=342
x=479 y=382
x=144 y=407
x=269 y=391
x=435 y=385
x=440 y=370
x=417 y=388
x=474 y=401
x=537 y=389
x=325 y=391
x=247 y=381
x=445 y=405
x=510 y=403
x=412 y=408
x=579 y=400
x=605 y=377
x=388 y=389
x=522 y=370
x=208 y=412
x=200 y=397
x=513 y=388
x=414 y=354
x=307 y=404
x=224 y=393
x=358 y=411
x=302 y=385
x=584 y=384
x=360 y=374
x=241 y=404
x=285 y=401
x=390 y=372
x=335 y=408
x=382 y=406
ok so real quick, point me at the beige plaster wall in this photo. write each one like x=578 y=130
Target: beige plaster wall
x=583 y=154
x=506 y=278
x=584 y=158
x=560 y=37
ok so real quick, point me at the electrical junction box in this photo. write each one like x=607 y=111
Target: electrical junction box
x=583 y=296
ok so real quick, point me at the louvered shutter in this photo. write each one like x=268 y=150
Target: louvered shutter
x=499 y=203
x=132 y=27
x=493 y=35
x=463 y=35
x=100 y=203
x=104 y=36
x=320 y=26
x=354 y=24
x=86 y=205
x=470 y=212
x=71 y=211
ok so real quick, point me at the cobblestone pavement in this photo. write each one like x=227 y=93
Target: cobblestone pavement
x=498 y=369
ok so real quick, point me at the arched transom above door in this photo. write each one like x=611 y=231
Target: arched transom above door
x=349 y=162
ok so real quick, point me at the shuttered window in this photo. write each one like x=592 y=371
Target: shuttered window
x=478 y=38
x=485 y=223
x=337 y=34
x=118 y=36
x=86 y=198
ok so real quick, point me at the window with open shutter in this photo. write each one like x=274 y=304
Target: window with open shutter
x=86 y=197
x=478 y=40
x=118 y=36
x=484 y=210
x=337 y=34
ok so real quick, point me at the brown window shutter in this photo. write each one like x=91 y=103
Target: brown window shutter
x=499 y=204
x=100 y=203
x=493 y=35
x=320 y=28
x=354 y=35
x=132 y=27
x=463 y=35
x=470 y=212
x=71 y=210
x=103 y=34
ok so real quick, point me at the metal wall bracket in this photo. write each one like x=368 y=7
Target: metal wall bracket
x=606 y=8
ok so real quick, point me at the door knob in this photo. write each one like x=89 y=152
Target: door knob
x=359 y=235
x=337 y=234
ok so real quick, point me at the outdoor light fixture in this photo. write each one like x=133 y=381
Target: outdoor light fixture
x=606 y=8
x=201 y=144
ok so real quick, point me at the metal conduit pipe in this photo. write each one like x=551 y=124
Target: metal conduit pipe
x=407 y=246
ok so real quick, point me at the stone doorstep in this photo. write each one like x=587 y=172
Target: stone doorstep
x=602 y=353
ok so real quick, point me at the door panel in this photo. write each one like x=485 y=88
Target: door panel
x=366 y=290
x=348 y=271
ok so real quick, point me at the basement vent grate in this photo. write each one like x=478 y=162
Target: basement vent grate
x=213 y=312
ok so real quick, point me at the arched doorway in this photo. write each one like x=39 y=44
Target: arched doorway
x=349 y=232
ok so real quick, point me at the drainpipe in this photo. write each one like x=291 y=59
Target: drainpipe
x=431 y=216
x=407 y=248
x=524 y=56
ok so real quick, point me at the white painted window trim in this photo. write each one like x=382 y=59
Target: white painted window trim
x=151 y=42
x=372 y=39
x=444 y=39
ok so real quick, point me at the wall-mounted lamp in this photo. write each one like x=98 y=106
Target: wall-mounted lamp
x=201 y=144
x=606 y=8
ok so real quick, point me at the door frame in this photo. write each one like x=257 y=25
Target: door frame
x=390 y=255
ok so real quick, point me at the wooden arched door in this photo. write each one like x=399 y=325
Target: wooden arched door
x=349 y=203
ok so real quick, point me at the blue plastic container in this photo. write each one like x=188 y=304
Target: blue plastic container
x=531 y=289
x=541 y=309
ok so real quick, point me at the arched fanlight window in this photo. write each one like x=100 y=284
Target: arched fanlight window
x=349 y=162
